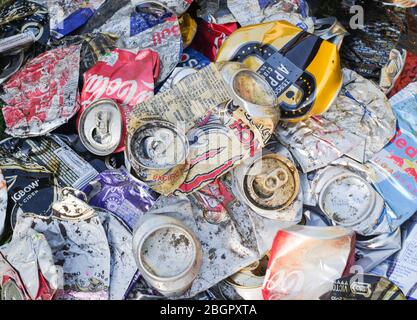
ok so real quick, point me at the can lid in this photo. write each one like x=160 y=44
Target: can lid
x=11 y=291
x=347 y=199
x=159 y=145
x=272 y=182
x=101 y=127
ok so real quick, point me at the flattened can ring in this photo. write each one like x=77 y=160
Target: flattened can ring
x=158 y=152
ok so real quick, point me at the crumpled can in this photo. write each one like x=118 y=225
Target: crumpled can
x=27 y=269
x=303 y=87
x=123 y=269
x=79 y=245
x=215 y=11
x=177 y=6
x=395 y=166
x=121 y=194
x=43 y=95
x=297 y=251
x=191 y=58
x=148 y=25
x=3 y=203
x=188 y=29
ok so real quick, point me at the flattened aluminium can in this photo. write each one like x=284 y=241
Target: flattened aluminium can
x=268 y=184
x=168 y=254
x=158 y=152
x=101 y=127
x=347 y=199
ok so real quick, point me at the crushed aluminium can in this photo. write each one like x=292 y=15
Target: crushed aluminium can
x=148 y=25
x=191 y=58
x=3 y=203
x=43 y=95
x=345 y=195
x=27 y=269
x=167 y=253
x=67 y=16
x=364 y=287
x=268 y=184
x=158 y=152
x=304 y=87
x=79 y=245
x=293 y=271
x=123 y=268
x=101 y=127
x=177 y=6
x=121 y=194
x=188 y=29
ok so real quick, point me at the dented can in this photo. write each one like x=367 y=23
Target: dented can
x=268 y=184
x=158 y=153
x=101 y=127
x=168 y=254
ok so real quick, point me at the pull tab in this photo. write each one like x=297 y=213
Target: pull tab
x=157 y=145
x=70 y=207
x=101 y=133
x=273 y=181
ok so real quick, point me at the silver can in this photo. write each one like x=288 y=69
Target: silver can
x=158 y=153
x=251 y=92
x=168 y=254
x=16 y=42
x=101 y=126
x=348 y=199
x=268 y=184
x=14 y=62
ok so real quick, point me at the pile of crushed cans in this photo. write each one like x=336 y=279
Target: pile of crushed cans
x=208 y=149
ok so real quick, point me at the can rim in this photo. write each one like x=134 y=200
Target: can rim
x=189 y=267
x=329 y=182
x=81 y=126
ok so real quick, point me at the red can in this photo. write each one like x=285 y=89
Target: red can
x=210 y=37
x=123 y=76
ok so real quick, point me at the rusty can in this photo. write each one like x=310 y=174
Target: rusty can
x=158 y=152
x=268 y=184
x=168 y=254
x=101 y=127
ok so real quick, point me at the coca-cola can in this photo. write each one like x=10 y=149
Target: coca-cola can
x=101 y=127
x=158 y=152
x=168 y=254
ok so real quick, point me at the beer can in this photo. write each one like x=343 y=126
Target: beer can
x=188 y=29
x=268 y=184
x=248 y=282
x=168 y=254
x=101 y=127
x=158 y=153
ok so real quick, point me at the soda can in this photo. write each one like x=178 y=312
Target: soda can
x=3 y=203
x=188 y=29
x=158 y=152
x=248 y=282
x=168 y=254
x=268 y=184
x=148 y=25
x=101 y=127
x=177 y=76
x=331 y=30
x=349 y=200
x=16 y=42
x=11 y=291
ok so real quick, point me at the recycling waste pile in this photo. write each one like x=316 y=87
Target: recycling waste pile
x=208 y=150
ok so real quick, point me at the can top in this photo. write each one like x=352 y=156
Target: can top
x=11 y=291
x=159 y=145
x=100 y=127
x=347 y=199
x=272 y=182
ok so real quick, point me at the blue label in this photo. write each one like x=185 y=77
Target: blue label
x=193 y=59
x=73 y=22
x=140 y=22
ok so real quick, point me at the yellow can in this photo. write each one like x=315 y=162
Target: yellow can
x=188 y=29
x=303 y=69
